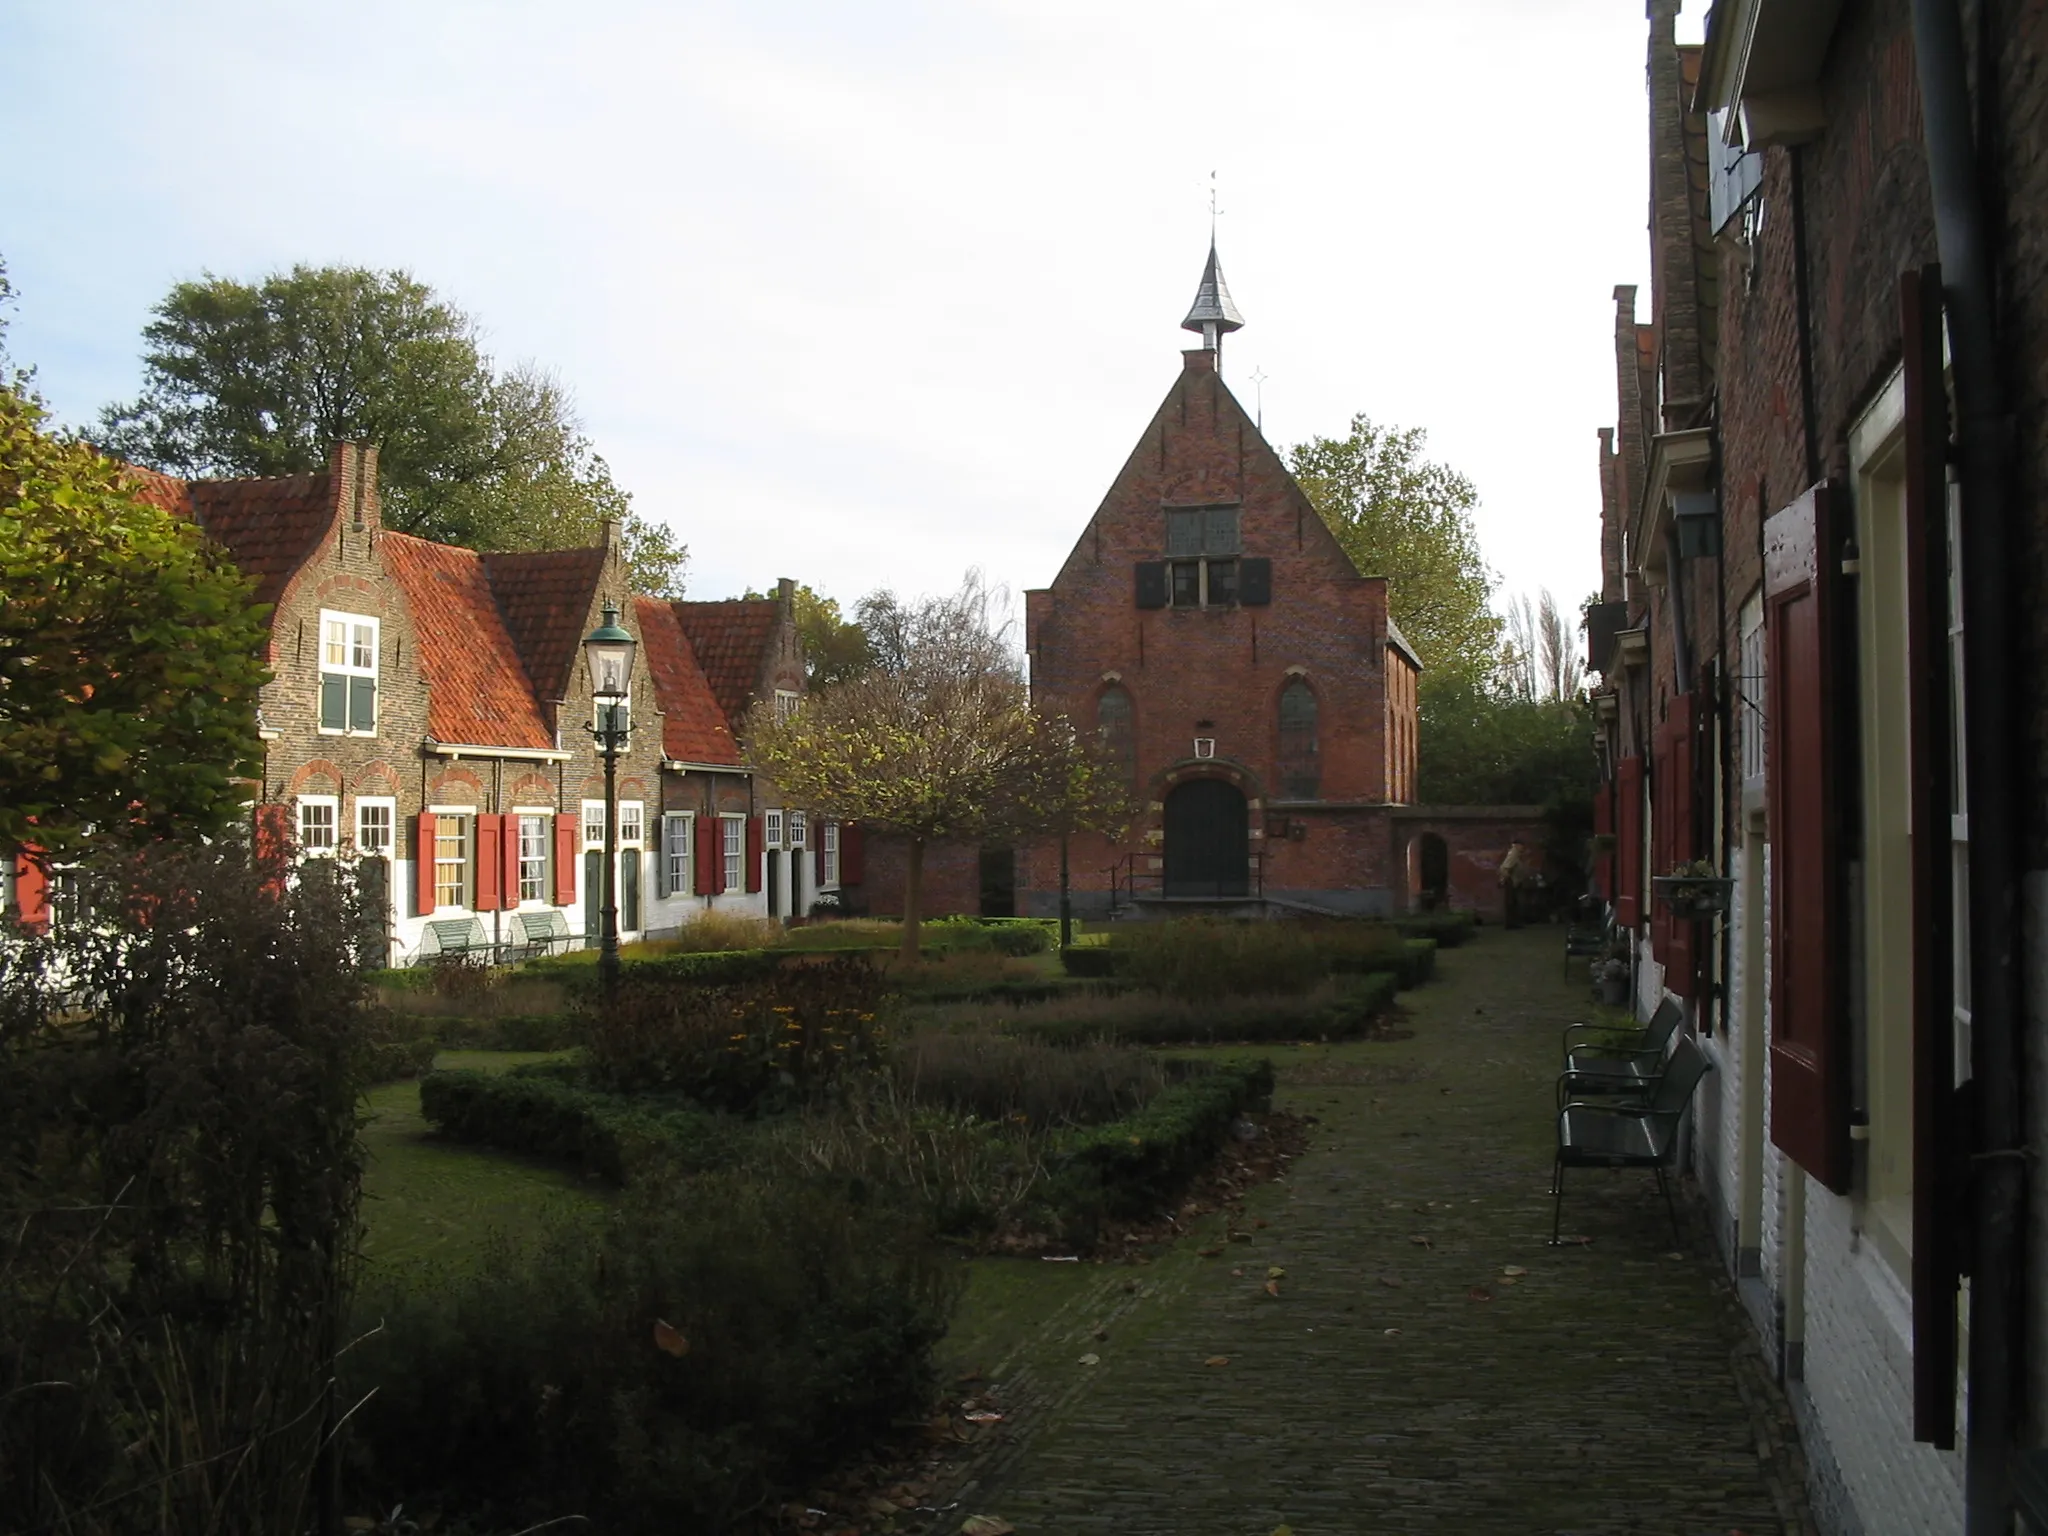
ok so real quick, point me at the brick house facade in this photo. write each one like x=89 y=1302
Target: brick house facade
x=1792 y=503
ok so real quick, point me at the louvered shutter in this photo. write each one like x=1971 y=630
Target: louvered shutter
x=508 y=867
x=1603 y=826
x=1151 y=582
x=490 y=863
x=362 y=704
x=568 y=833
x=852 y=851
x=710 y=859
x=333 y=701
x=31 y=890
x=1255 y=582
x=423 y=864
x=1628 y=842
x=1809 y=1038
x=756 y=845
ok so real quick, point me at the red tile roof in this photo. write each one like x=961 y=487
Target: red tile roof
x=479 y=693
x=268 y=526
x=545 y=597
x=159 y=490
x=730 y=639
x=694 y=729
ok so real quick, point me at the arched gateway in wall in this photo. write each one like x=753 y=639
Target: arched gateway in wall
x=1208 y=840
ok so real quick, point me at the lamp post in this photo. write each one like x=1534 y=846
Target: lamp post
x=609 y=651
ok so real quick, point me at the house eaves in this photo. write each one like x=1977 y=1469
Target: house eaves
x=1679 y=462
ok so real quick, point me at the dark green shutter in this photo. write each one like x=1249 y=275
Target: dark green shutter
x=629 y=890
x=333 y=702
x=1151 y=583
x=362 y=704
x=1254 y=582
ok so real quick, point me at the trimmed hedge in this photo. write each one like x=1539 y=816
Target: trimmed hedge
x=578 y=970
x=1134 y=1166
x=513 y=1032
x=1093 y=962
x=1449 y=929
x=543 y=1111
x=1364 y=999
x=393 y=1061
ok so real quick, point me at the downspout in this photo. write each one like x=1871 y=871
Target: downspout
x=1983 y=433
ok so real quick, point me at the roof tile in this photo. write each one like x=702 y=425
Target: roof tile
x=730 y=639
x=268 y=527
x=479 y=694
x=545 y=597
x=694 y=729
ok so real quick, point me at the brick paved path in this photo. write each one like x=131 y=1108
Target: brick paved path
x=1613 y=1388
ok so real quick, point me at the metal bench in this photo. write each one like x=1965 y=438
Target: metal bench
x=1638 y=1134
x=537 y=933
x=1592 y=1069
x=452 y=936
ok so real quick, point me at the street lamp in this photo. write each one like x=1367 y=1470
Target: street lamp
x=609 y=651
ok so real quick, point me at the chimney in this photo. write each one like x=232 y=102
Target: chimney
x=785 y=594
x=353 y=470
x=1199 y=360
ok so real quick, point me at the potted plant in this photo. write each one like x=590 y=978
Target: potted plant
x=1694 y=890
x=1610 y=981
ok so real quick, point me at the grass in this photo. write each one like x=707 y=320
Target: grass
x=428 y=1202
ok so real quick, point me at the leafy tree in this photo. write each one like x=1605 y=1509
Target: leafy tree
x=12 y=377
x=835 y=647
x=1409 y=519
x=130 y=653
x=939 y=742
x=263 y=378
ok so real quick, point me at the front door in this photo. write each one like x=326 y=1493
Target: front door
x=1208 y=840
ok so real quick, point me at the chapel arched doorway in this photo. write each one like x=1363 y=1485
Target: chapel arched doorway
x=1208 y=840
x=1435 y=862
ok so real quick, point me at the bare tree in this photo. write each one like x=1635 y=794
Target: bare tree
x=1540 y=658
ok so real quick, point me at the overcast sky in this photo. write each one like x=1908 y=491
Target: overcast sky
x=867 y=293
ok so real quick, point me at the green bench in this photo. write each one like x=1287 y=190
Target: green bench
x=537 y=933
x=453 y=936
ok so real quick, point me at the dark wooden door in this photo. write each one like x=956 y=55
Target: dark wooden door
x=1208 y=843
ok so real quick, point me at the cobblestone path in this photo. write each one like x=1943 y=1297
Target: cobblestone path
x=1404 y=1380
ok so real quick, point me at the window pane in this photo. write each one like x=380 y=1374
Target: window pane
x=316 y=826
x=631 y=827
x=1113 y=719
x=1219 y=530
x=679 y=828
x=735 y=850
x=831 y=836
x=337 y=643
x=772 y=828
x=373 y=828
x=533 y=858
x=1222 y=582
x=1187 y=583
x=798 y=827
x=593 y=824
x=365 y=647
x=1184 y=533
x=451 y=859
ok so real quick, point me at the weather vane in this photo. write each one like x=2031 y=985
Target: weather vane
x=1213 y=209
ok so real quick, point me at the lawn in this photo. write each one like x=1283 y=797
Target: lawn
x=433 y=1203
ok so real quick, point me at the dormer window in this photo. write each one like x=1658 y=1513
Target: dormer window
x=348 y=674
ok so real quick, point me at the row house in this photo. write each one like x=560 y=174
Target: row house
x=430 y=711
x=1821 y=655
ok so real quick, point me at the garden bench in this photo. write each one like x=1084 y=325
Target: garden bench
x=1642 y=1133
x=453 y=936
x=1583 y=942
x=1592 y=1069
x=537 y=933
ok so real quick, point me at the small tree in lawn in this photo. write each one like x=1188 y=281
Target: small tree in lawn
x=939 y=742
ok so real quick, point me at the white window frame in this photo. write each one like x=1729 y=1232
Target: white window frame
x=636 y=837
x=799 y=829
x=388 y=849
x=593 y=838
x=830 y=833
x=466 y=817
x=771 y=831
x=351 y=665
x=545 y=815
x=733 y=847
x=679 y=852
x=308 y=849
x=786 y=702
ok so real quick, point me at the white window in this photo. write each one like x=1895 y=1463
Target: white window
x=735 y=828
x=676 y=855
x=348 y=674
x=771 y=829
x=632 y=822
x=830 y=833
x=593 y=823
x=375 y=819
x=533 y=857
x=786 y=703
x=317 y=816
x=451 y=861
x=1752 y=692
x=799 y=828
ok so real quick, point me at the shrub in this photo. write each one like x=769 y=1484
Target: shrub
x=1336 y=1010
x=1418 y=961
x=708 y=1344
x=1015 y=1077
x=549 y=1113
x=716 y=930
x=1092 y=962
x=1201 y=958
x=1022 y=937
x=1449 y=929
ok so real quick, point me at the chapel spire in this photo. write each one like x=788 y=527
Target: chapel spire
x=1213 y=315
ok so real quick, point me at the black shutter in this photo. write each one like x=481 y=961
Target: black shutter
x=333 y=702
x=1151 y=583
x=1254 y=582
x=362 y=704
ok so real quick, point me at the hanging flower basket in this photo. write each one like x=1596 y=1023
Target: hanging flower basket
x=1693 y=895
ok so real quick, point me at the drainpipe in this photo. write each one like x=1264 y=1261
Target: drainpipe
x=1983 y=436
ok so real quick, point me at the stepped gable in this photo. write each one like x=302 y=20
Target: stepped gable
x=694 y=729
x=268 y=527
x=478 y=694
x=546 y=597
x=731 y=640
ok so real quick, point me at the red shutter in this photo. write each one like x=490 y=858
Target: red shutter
x=851 y=868
x=1603 y=826
x=31 y=889
x=508 y=884
x=1676 y=790
x=490 y=863
x=568 y=835
x=1628 y=842
x=272 y=846
x=710 y=860
x=423 y=864
x=1809 y=1055
x=755 y=847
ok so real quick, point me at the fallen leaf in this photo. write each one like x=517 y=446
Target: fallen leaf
x=1210 y=1253
x=1479 y=1293
x=1421 y=1242
x=1091 y=1358
x=987 y=1525
x=1515 y=1270
x=1283 y=1530
x=1389 y=1280
x=1217 y=1360
x=984 y=1416
x=1272 y=1287
x=1258 y=1221
x=1237 y=1274
x=1276 y=1273
x=1509 y=1280
x=1242 y=1237
x=1393 y=1333
x=669 y=1340
x=1674 y=1255
x=1101 y=1335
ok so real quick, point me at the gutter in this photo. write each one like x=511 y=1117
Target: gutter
x=452 y=749
x=1988 y=562
x=676 y=765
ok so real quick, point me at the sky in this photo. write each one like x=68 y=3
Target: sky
x=869 y=294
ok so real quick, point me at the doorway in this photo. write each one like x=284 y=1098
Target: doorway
x=998 y=882
x=1208 y=840
x=1435 y=861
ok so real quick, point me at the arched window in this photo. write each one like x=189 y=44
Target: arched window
x=1119 y=732
x=1300 y=775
